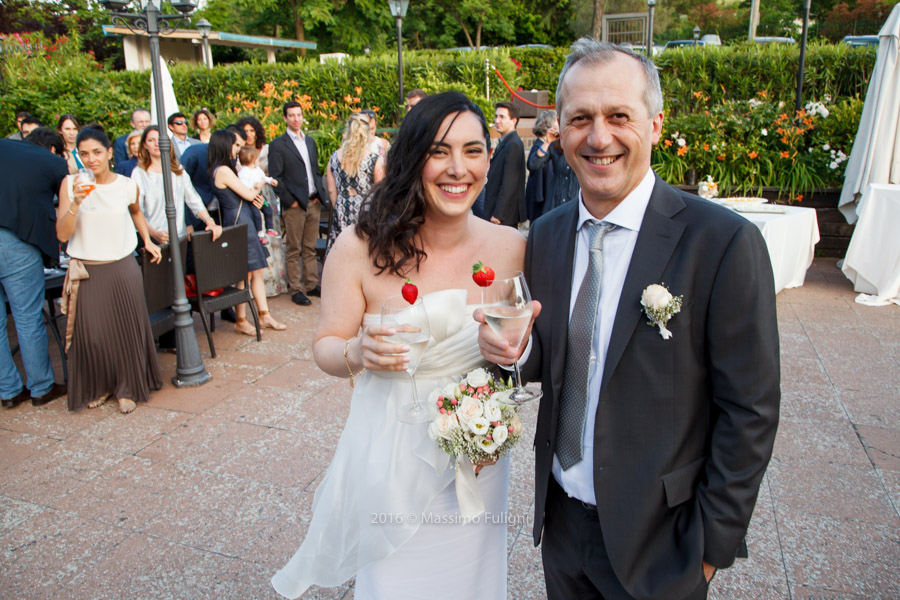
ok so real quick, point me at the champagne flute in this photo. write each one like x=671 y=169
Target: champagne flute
x=410 y=321
x=507 y=310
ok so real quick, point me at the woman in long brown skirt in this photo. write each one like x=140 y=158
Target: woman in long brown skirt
x=108 y=337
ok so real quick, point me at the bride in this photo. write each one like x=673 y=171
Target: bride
x=386 y=510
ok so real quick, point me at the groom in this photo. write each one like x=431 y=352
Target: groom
x=649 y=448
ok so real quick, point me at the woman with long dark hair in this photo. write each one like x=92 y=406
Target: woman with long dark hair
x=68 y=127
x=110 y=346
x=417 y=224
x=234 y=201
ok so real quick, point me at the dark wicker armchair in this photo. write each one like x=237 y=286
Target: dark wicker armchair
x=221 y=264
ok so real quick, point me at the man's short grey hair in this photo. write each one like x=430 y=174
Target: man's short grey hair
x=544 y=123
x=591 y=52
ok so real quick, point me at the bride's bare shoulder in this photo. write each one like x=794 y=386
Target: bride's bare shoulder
x=506 y=243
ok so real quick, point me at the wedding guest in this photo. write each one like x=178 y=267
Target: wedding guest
x=133 y=142
x=49 y=140
x=68 y=127
x=140 y=119
x=203 y=122
x=353 y=170
x=539 y=186
x=233 y=197
x=417 y=225
x=17 y=134
x=549 y=155
x=149 y=177
x=29 y=178
x=108 y=338
x=29 y=124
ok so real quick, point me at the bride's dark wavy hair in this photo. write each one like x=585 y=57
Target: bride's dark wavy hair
x=395 y=209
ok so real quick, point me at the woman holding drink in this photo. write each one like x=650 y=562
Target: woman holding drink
x=387 y=476
x=108 y=337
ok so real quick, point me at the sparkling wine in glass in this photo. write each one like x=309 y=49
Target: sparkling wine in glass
x=410 y=321
x=507 y=310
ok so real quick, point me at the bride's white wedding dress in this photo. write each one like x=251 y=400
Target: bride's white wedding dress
x=386 y=510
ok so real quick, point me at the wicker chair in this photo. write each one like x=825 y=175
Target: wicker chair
x=221 y=264
x=159 y=288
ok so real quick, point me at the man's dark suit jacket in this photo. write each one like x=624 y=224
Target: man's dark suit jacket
x=30 y=177
x=504 y=193
x=120 y=149
x=685 y=426
x=287 y=166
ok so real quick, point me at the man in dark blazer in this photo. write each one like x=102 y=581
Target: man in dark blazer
x=504 y=192
x=652 y=437
x=294 y=162
x=140 y=120
x=30 y=176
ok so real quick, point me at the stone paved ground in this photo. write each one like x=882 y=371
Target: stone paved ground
x=205 y=492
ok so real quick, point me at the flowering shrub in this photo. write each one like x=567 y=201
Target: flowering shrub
x=324 y=119
x=747 y=145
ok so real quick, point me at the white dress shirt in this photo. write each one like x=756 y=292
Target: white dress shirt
x=300 y=143
x=180 y=145
x=618 y=246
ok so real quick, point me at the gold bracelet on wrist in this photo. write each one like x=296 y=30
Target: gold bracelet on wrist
x=74 y=214
x=347 y=360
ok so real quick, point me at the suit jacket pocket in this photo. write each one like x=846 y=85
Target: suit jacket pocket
x=681 y=483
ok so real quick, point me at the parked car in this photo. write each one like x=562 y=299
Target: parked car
x=684 y=43
x=774 y=40
x=861 y=40
x=711 y=39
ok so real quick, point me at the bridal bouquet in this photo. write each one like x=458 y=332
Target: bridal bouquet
x=472 y=420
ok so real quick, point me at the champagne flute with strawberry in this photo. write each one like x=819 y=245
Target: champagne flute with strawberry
x=406 y=314
x=507 y=310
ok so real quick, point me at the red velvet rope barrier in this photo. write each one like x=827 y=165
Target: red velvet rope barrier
x=513 y=92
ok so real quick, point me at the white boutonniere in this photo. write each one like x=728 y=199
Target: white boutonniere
x=660 y=306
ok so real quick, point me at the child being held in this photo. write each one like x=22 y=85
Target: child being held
x=254 y=177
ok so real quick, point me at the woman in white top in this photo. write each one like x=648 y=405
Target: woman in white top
x=149 y=178
x=109 y=342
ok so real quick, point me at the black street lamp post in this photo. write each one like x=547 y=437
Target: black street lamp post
x=189 y=368
x=205 y=27
x=398 y=10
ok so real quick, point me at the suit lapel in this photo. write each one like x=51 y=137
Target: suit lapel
x=500 y=145
x=655 y=244
x=293 y=147
x=563 y=265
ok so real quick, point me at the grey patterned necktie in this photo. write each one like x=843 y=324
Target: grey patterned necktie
x=574 y=398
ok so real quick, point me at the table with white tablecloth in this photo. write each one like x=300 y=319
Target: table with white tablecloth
x=791 y=237
x=873 y=257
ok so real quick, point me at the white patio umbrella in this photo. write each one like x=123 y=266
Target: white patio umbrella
x=171 y=104
x=875 y=157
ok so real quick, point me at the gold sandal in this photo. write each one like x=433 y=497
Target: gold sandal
x=270 y=322
x=242 y=326
x=98 y=402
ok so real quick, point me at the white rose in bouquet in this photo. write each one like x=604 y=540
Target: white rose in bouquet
x=451 y=390
x=468 y=409
x=656 y=297
x=478 y=377
x=502 y=397
x=500 y=434
x=479 y=425
x=444 y=426
x=492 y=410
x=433 y=396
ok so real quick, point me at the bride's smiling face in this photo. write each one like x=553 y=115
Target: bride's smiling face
x=454 y=173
